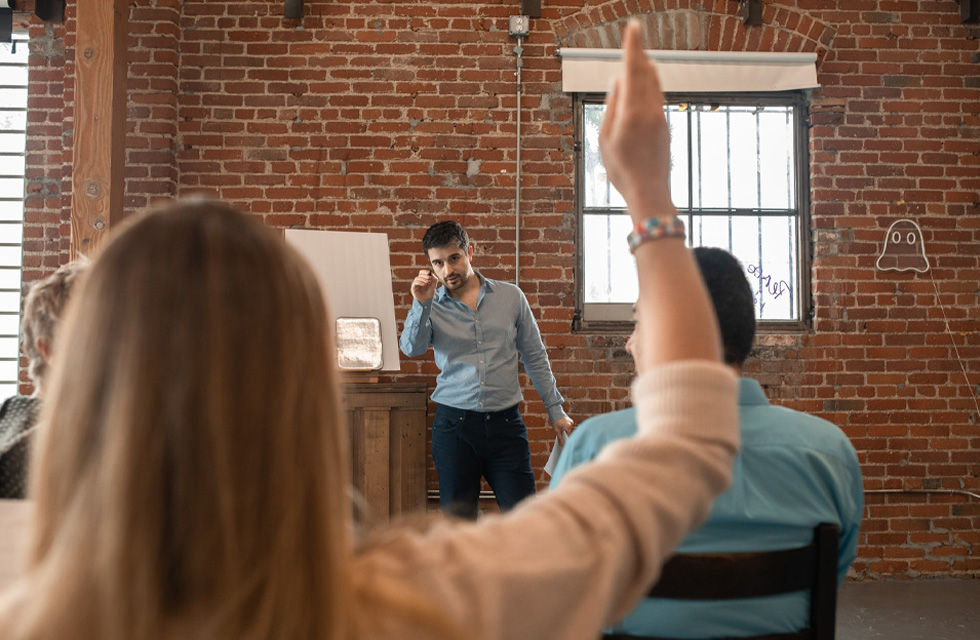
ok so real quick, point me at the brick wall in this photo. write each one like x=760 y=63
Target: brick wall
x=388 y=116
x=46 y=223
x=46 y=234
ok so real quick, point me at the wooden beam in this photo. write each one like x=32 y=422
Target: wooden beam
x=50 y=10
x=531 y=8
x=293 y=9
x=970 y=11
x=99 y=149
x=752 y=13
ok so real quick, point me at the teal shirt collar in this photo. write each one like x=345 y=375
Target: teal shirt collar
x=750 y=393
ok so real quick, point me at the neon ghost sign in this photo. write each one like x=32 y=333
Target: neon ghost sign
x=904 y=248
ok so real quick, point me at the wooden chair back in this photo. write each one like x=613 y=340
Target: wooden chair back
x=725 y=576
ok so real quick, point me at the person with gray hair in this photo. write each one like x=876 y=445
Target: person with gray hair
x=18 y=415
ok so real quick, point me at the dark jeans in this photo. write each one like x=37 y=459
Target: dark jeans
x=468 y=445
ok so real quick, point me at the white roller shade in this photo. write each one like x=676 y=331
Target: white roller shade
x=590 y=70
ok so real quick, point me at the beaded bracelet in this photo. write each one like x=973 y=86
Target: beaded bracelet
x=655 y=229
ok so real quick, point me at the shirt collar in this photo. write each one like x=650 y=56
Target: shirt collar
x=486 y=283
x=750 y=392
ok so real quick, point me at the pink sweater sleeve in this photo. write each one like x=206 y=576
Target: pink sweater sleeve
x=566 y=563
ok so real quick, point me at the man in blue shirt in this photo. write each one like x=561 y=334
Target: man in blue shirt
x=794 y=471
x=477 y=328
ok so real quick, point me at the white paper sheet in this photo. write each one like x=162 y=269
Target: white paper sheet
x=549 y=467
x=355 y=273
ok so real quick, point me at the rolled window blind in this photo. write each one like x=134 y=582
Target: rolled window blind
x=590 y=70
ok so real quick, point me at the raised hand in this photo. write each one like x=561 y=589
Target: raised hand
x=424 y=286
x=676 y=320
x=635 y=139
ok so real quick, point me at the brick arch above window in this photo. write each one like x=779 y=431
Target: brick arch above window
x=696 y=25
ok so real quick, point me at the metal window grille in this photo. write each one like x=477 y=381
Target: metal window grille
x=13 y=140
x=738 y=176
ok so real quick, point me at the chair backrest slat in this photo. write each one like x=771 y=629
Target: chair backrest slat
x=725 y=576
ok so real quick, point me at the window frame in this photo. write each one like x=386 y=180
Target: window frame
x=617 y=317
x=19 y=38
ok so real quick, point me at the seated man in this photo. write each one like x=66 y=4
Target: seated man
x=794 y=471
x=42 y=313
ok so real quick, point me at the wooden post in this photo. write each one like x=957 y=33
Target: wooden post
x=99 y=149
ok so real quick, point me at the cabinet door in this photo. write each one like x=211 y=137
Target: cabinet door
x=388 y=430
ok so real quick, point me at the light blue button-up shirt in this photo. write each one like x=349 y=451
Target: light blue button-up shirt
x=477 y=351
x=793 y=472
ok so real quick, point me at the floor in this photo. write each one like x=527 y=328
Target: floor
x=909 y=610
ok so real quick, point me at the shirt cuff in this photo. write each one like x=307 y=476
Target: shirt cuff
x=556 y=413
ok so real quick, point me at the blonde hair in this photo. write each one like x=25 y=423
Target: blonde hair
x=192 y=468
x=192 y=463
x=43 y=308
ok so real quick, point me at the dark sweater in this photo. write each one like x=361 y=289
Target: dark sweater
x=18 y=416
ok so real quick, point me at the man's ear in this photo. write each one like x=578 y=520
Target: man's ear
x=469 y=252
x=44 y=347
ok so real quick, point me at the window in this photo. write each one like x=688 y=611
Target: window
x=738 y=177
x=13 y=139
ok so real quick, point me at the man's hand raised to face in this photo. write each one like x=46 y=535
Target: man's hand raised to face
x=424 y=286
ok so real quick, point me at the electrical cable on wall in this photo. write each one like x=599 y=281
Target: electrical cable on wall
x=519 y=27
x=904 y=250
x=956 y=350
x=517 y=174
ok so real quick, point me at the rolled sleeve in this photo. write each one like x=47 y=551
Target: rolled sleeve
x=417 y=333
x=536 y=363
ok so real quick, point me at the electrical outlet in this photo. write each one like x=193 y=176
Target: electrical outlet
x=520 y=26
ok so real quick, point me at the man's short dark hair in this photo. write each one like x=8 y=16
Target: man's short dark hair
x=445 y=233
x=731 y=296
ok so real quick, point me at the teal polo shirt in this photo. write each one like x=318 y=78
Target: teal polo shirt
x=793 y=472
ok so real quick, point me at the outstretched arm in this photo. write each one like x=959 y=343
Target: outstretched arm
x=678 y=322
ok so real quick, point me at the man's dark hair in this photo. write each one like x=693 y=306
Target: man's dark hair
x=445 y=233
x=731 y=296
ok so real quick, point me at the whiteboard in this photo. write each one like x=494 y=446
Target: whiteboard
x=354 y=270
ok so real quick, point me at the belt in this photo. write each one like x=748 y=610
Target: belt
x=486 y=415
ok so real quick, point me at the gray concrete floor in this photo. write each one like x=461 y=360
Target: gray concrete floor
x=909 y=610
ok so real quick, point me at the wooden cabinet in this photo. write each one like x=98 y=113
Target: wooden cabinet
x=388 y=444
